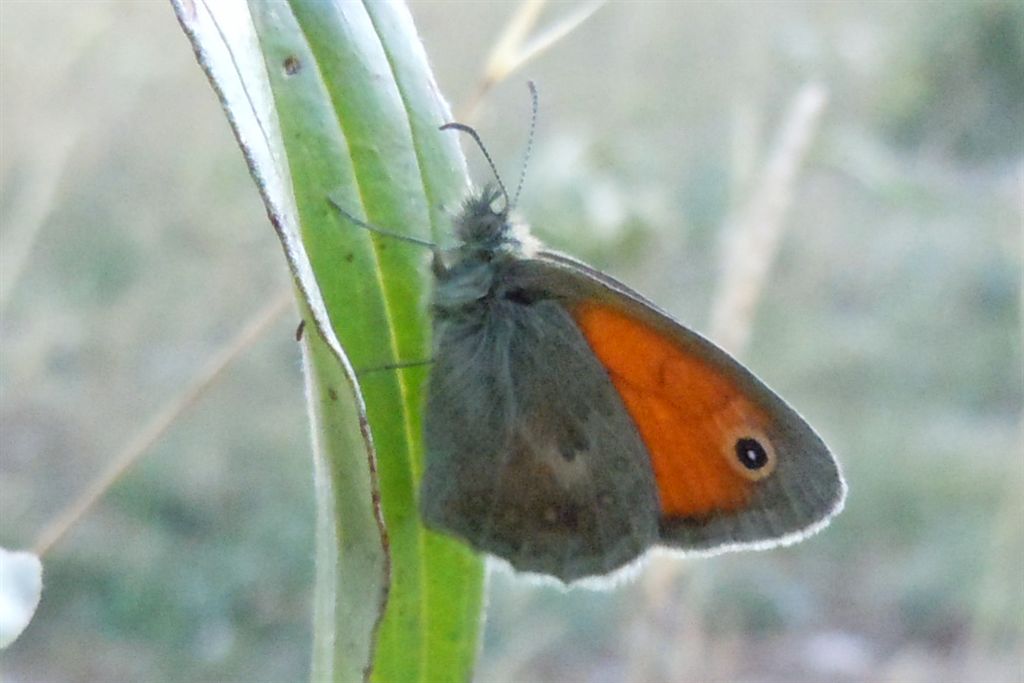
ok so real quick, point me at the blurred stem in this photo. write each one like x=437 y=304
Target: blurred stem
x=160 y=423
x=43 y=171
x=999 y=576
x=753 y=235
x=43 y=176
x=752 y=241
x=512 y=50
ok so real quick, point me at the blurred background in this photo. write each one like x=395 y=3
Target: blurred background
x=133 y=247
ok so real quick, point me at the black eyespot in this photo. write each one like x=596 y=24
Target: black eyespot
x=751 y=453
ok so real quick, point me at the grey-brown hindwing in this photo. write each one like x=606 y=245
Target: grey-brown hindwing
x=531 y=454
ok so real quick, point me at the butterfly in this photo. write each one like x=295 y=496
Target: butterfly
x=571 y=424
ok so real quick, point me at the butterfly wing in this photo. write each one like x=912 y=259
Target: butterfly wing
x=531 y=455
x=733 y=464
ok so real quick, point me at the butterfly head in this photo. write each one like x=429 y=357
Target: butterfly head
x=483 y=230
x=480 y=225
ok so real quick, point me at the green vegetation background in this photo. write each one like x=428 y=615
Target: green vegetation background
x=892 y=321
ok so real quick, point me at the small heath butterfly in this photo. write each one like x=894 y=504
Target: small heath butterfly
x=571 y=424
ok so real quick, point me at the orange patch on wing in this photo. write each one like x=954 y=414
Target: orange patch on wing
x=689 y=414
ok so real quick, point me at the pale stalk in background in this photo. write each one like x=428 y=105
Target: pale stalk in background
x=44 y=171
x=752 y=235
x=29 y=214
x=158 y=425
x=1005 y=542
x=998 y=577
x=514 y=48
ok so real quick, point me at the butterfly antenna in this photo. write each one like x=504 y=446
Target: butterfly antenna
x=529 y=140
x=479 y=143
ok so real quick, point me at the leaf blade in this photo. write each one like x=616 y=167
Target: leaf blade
x=348 y=108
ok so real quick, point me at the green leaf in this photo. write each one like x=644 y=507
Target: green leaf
x=336 y=99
